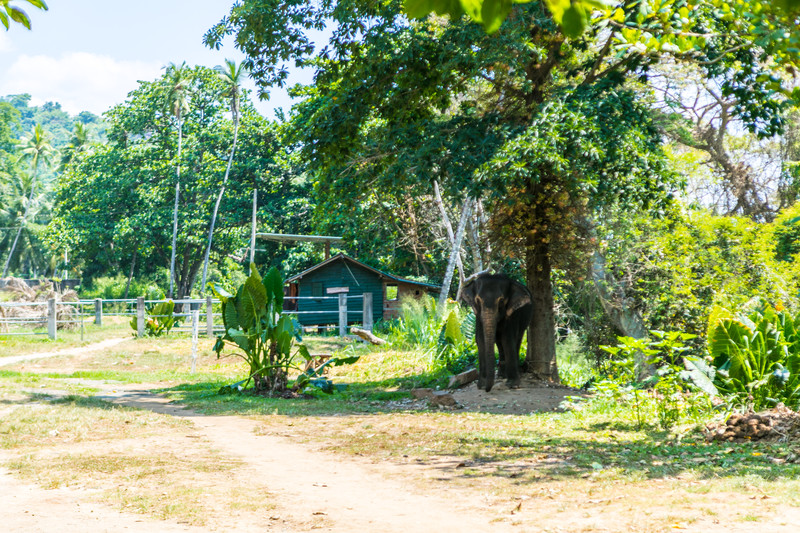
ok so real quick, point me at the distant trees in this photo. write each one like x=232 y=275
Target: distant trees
x=36 y=149
x=116 y=200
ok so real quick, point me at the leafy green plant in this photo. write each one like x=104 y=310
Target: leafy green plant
x=160 y=319
x=267 y=339
x=680 y=387
x=756 y=356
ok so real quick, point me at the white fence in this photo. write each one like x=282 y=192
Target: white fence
x=48 y=315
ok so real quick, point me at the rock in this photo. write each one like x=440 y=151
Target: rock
x=443 y=398
x=422 y=394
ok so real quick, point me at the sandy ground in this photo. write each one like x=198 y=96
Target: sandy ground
x=317 y=490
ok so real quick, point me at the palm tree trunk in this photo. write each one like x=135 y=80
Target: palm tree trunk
x=253 y=227
x=216 y=206
x=22 y=223
x=175 y=212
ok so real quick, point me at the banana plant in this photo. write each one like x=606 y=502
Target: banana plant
x=756 y=356
x=254 y=324
x=160 y=319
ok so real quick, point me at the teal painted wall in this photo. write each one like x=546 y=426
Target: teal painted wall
x=322 y=311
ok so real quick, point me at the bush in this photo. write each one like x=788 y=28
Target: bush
x=449 y=338
x=756 y=356
x=113 y=288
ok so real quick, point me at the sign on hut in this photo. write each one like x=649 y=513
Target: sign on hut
x=314 y=293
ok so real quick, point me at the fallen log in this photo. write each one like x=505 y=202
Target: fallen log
x=367 y=336
x=459 y=380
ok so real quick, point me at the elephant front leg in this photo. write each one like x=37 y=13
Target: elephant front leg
x=481 y=358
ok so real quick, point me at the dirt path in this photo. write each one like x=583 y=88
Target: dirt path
x=78 y=350
x=324 y=491
x=31 y=509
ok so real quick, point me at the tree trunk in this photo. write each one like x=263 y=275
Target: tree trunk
x=448 y=275
x=253 y=228
x=216 y=205
x=130 y=275
x=13 y=247
x=628 y=321
x=437 y=195
x=175 y=211
x=541 y=355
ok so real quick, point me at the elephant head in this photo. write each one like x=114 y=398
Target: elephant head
x=503 y=311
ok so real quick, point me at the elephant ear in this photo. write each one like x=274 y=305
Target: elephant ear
x=520 y=297
x=468 y=294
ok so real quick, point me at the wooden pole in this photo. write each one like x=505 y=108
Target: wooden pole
x=367 y=319
x=342 y=314
x=51 y=318
x=140 y=316
x=98 y=312
x=209 y=318
x=195 y=331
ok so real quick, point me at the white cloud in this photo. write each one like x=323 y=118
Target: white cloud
x=79 y=81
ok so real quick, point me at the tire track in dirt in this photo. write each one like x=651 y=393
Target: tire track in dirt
x=78 y=350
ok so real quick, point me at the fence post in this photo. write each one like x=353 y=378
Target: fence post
x=209 y=318
x=51 y=318
x=98 y=311
x=195 y=331
x=140 y=316
x=342 y=314
x=367 y=319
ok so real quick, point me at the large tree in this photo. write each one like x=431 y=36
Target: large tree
x=541 y=125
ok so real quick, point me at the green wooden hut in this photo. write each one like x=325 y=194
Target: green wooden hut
x=314 y=293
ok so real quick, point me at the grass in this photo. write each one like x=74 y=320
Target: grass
x=597 y=447
x=113 y=327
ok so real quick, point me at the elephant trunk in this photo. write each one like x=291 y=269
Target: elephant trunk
x=489 y=337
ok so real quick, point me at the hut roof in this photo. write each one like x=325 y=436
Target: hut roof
x=347 y=258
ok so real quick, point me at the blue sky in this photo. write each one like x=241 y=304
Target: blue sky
x=89 y=54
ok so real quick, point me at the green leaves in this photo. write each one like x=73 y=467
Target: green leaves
x=757 y=356
x=572 y=16
x=16 y=14
x=255 y=325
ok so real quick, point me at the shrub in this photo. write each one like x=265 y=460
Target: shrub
x=756 y=356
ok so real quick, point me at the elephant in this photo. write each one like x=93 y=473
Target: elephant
x=503 y=309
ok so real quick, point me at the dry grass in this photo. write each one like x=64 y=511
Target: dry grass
x=108 y=451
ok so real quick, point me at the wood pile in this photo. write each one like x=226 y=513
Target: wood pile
x=778 y=424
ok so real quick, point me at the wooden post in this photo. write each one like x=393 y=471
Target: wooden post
x=327 y=250
x=342 y=314
x=367 y=319
x=140 y=316
x=98 y=311
x=51 y=318
x=195 y=331
x=209 y=318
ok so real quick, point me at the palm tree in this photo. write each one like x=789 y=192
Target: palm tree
x=37 y=150
x=78 y=143
x=231 y=74
x=178 y=80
